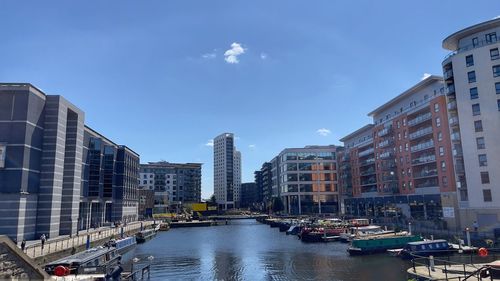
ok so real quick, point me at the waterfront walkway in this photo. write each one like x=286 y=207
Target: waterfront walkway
x=34 y=248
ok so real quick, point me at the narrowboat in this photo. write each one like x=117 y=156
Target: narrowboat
x=294 y=230
x=363 y=231
x=426 y=248
x=94 y=261
x=319 y=234
x=144 y=235
x=122 y=245
x=164 y=226
x=381 y=243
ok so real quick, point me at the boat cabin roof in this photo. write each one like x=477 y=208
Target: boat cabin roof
x=428 y=242
x=368 y=227
x=84 y=256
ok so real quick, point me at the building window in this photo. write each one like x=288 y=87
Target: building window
x=399 y=136
x=491 y=37
x=472 y=76
x=483 y=161
x=497 y=88
x=410 y=184
x=445 y=180
x=441 y=151
x=496 y=70
x=480 y=143
x=440 y=136
x=443 y=166
x=487 y=195
x=436 y=107
x=498 y=105
x=473 y=93
x=469 y=60
x=406 y=135
x=406 y=146
x=475 y=41
x=404 y=122
x=476 y=109
x=494 y=54
x=438 y=122
x=485 y=177
x=478 y=126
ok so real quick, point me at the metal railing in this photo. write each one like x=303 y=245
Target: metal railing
x=421 y=132
x=419 y=119
x=422 y=146
x=478 y=44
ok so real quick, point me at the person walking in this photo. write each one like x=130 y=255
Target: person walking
x=23 y=245
x=43 y=239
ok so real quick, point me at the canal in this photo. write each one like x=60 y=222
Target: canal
x=248 y=250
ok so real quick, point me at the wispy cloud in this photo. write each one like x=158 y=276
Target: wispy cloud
x=252 y=146
x=425 y=76
x=263 y=56
x=231 y=55
x=209 y=56
x=210 y=143
x=323 y=132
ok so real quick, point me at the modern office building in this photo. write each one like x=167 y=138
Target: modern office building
x=109 y=183
x=173 y=183
x=227 y=172
x=43 y=169
x=401 y=165
x=472 y=77
x=249 y=195
x=308 y=180
x=263 y=180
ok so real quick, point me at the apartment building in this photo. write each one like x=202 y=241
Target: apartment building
x=402 y=164
x=263 y=181
x=172 y=183
x=307 y=179
x=472 y=79
x=227 y=172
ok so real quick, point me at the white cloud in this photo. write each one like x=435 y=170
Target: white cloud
x=323 y=132
x=425 y=76
x=263 y=56
x=209 y=56
x=210 y=143
x=497 y=17
x=251 y=146
x=231 y=55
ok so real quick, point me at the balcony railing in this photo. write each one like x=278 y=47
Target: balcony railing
x=452 y=105
x=477 y=44
x=425 y=174
x=455 y=136
x=424 y=160
x=422 y=146
x=389 y=178
x=420 y=133
x=458 y=152
x=453 y=121
x=369 y=161
x=450 y=89
x=419 y=119
x=448 y=74
x=384 y=131
x=366 y=152
x=427 y=183
x=384 y=143
x=386 y=155
x=370 y=181
x=368 y=172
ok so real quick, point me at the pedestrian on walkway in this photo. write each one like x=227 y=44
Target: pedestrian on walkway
x=43 y=239
x=23 y=245
x=475 y=225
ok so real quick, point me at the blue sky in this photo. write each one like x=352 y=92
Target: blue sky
x=165 y=77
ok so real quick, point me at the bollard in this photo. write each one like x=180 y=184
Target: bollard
x=431 y=263
x=467 y=232
x=409 y=228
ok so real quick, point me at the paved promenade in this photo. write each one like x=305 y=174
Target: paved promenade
x=34 y=248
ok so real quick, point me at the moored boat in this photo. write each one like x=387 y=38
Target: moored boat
x=294 y=229
x=363 y=231
x=426 y=248
x=381 y=243
x=164 y=226
x=144 y=235
x=123 y=245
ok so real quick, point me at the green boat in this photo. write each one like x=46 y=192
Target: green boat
x=381 y=243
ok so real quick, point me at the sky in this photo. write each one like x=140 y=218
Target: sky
x=166 y=77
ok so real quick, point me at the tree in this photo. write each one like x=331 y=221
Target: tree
x=278 y=205
x=212 y=199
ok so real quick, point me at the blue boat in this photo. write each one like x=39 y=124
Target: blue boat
x=426 y=248
x=124 y=244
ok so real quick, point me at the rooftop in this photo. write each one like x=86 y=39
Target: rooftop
x=357 y=132
x=451 y=42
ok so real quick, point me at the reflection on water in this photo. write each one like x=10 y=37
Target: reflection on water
x=248 y=250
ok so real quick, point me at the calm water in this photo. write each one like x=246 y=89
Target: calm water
x=248 y=250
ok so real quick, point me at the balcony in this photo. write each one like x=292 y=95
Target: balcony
x=367 y=162
x=449 y=90
x=384 y=131
x=423 y=160
x=474 y=45
x=447 y=74
x=458 y=152
x=365 y=152
x=452 y=105
x=386 y=155
x=389 y=178
x=427 y=183
x=455 y=136
x=389 y=168
x=453 y=121
x=385 y=143
x=422 y=146
x=421 y=133
x=425 y=174
x=370 y=181
x=419 y=119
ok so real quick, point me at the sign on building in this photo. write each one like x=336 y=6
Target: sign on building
x=448 y=212
x=3 y=153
